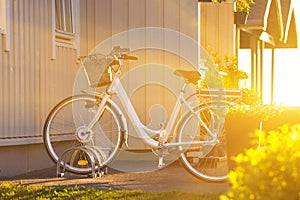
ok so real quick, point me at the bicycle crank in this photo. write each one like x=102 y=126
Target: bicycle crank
x=83 y=135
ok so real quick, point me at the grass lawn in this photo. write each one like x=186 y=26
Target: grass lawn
x=19 y=191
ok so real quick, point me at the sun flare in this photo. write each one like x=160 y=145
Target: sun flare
x=287 y=70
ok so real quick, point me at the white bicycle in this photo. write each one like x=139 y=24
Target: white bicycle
x=93 y=121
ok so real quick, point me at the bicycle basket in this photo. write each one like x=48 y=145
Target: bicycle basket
x=96 y=69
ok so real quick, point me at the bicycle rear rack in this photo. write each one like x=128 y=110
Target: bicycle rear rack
x=226 y=93
x=95 y=157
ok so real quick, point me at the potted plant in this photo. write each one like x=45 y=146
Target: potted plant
x=242 y=9
x=242 y=119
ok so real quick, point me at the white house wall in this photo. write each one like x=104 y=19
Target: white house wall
x=100 y=19
x=217 y=29
x=32 y=82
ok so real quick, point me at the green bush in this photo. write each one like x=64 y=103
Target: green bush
x=272 y=172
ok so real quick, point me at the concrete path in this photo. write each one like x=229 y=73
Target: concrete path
x=170 y=178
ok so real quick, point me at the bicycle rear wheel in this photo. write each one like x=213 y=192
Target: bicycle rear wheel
x=65 y=129
x=207 y=161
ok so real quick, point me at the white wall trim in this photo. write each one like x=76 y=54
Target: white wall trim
x=5 y=23
x=21 y=141
x=53 y=30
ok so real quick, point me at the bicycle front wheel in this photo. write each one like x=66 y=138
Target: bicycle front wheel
x=207 y=161
x=65 y=134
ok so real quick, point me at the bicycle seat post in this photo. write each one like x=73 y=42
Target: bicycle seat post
x=184 y=87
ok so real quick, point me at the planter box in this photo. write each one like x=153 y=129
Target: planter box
x=289 y=116
x=240 y=17
x=239 y=133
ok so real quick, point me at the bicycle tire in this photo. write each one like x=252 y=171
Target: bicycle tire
x=62 y=127
x=205 y=161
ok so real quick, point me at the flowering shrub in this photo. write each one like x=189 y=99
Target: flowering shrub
x=273 y=172
x=228 y=67
x=251 y=106
x=261 y=111
x=241 y=5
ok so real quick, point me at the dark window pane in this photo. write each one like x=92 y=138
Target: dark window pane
x=64 y=15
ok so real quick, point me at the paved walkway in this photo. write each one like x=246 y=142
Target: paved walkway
x=170 y=178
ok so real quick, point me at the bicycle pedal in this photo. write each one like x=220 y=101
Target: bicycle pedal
x=82 y=162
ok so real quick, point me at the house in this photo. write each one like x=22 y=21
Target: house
x=41 y=41
x=270 y=25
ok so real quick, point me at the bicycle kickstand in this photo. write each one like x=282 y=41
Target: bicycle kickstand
x=161 y=163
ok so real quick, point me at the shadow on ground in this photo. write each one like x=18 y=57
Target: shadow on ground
x=171 y=178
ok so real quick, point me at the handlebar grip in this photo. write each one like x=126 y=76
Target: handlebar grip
x=126 y=57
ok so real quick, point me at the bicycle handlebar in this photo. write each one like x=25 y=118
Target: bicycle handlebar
x=116 y=54
x=127 y=57
x=117 y=50
x=122 y=53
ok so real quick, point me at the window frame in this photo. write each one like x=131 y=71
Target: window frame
x=65 y=16
x=63 y=37
x=2 y=16
x=4 y=23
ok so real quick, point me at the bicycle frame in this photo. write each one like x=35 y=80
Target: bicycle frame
x=93 y=125
x=116 y=88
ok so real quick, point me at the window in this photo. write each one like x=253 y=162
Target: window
x=66 y=22
x=64 y=16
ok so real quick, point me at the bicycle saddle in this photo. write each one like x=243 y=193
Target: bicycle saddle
x=190 y=76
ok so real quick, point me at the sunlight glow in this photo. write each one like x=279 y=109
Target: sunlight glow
x=287 y=70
